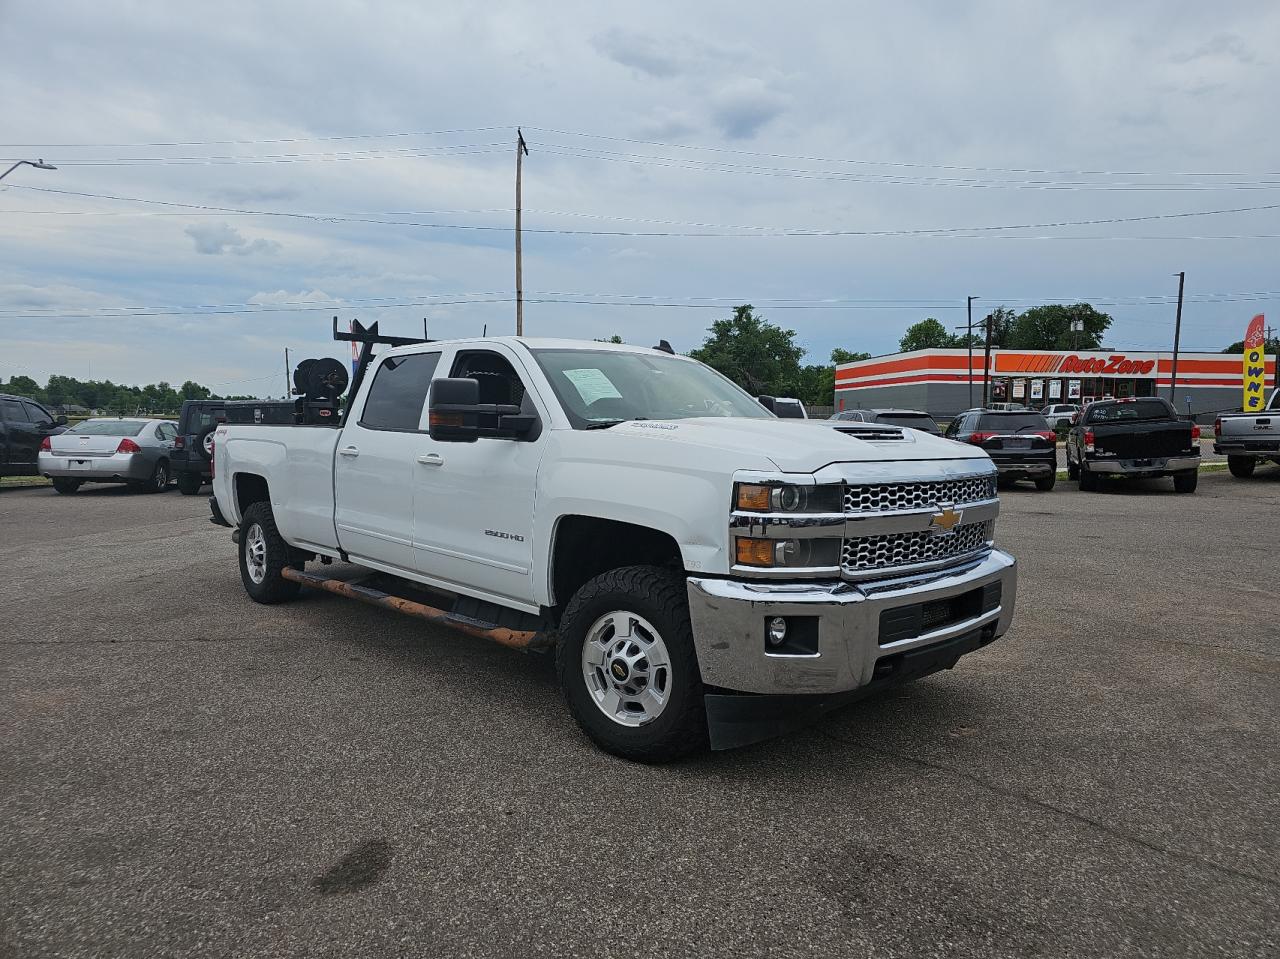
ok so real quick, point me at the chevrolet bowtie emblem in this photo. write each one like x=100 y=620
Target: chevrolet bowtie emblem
x=946 y=519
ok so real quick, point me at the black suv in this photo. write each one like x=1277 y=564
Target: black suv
x=192 y=457
x=1022 y=444
x=24 y=425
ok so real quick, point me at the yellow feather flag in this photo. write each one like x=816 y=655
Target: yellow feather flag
x=1255 y=366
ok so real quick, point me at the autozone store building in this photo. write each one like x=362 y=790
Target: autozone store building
x=938 y=380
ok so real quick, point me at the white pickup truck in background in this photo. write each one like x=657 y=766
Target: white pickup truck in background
x=701 y=568
x=1247 y=439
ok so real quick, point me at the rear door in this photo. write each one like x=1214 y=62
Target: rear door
x=23 y=436
x=374 y=466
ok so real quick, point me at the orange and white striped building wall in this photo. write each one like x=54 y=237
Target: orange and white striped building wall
x=939 y=380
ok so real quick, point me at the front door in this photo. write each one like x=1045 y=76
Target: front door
x=374 y=466
x=23 y=436
x=473 y=502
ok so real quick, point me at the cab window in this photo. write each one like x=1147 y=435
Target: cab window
x=399 y=392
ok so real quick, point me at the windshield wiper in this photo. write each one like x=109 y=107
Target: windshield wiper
x=605 y=424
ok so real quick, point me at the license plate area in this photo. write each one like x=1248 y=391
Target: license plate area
x=917 y=619
x=79 y=464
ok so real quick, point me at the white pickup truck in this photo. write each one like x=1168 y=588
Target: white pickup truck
x=703 y=570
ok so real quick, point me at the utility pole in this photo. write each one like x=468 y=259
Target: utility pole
x=1177 y=337
x=522 y=151
x=986 y=368
x=288 y=382
x=969 y=340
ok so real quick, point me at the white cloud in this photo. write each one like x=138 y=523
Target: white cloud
x=218 y=238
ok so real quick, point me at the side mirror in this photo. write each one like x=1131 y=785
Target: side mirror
x=61 y=420
x=767 y=402
x=456 y=415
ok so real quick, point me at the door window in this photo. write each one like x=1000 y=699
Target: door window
x=38 y=415
x=399 y=392
x=14 y=411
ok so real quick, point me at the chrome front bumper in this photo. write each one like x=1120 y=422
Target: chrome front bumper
x=1158 y=464
x=729 y=622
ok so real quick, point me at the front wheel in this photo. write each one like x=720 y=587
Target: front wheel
x=263 y=556
x=1241 y=467
x=628 y=667
x=1186 y=482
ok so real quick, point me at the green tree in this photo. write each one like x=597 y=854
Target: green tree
x=928 y=334
x=839 y=356
x=193 y=391
x=613 y=339
x=1049 y=328
x=26 y=386
x=1001 y=321
x=755 y=354
x=1272 y=345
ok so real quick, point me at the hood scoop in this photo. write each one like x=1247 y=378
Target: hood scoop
x=872 y=433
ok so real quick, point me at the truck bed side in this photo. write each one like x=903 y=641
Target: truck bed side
x=296 y=465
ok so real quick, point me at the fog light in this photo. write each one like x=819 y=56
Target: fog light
x=777 y=631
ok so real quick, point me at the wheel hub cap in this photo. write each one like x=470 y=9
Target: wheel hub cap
x=255 y=554
x=627 y=668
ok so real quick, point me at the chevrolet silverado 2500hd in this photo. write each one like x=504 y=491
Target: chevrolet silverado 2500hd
x=699 y=567
x=1248 y=439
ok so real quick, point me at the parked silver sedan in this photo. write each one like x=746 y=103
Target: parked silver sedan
x=134 y=451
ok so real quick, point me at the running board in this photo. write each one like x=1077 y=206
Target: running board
x=514 y=638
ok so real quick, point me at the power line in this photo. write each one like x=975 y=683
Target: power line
x=725 y=233
x=201 y=143
x=888 y=163
x=705 y=166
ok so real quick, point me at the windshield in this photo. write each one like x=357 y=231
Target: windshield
x=1012 y=423
x=109 y=428
x=1137 y=410
x=917 y=421
x=606 y=387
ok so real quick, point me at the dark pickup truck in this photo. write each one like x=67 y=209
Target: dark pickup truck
x=1133 y=438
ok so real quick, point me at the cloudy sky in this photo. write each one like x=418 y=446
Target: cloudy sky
x=679 y=153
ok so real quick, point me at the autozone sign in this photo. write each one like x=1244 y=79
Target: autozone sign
x=1103 y=364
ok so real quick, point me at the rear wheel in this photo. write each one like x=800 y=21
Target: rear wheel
x=1241 y=466
x=1186 y=482
x=1088 y=482
x=157 y=482
x=1073 y=469
x=64 y=485
x=263 y=556
x=189 y=483
x=628 y=667
x=1046 y=483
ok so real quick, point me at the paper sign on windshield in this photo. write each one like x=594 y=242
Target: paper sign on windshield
x=592 y=385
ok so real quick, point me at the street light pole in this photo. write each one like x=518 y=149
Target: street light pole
x=1177 y=337
x=38 y=164
x=969 y=309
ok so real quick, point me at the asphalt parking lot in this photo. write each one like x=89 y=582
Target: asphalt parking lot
x=188 y=774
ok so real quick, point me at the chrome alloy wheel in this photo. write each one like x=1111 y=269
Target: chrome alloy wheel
x=207 y=443
x=627 y=668
x=255 y=554
x=161 y=477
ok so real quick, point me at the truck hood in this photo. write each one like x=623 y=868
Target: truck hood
x=799 y=446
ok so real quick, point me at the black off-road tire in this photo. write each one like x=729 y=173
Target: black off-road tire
x=189 y=483
x=273 y=588
x=1241 y=467
x=1088 y=482
x=659 y=596
x=1046 y=483
x=199 y=446
x=66 y=486
x=1186 y=482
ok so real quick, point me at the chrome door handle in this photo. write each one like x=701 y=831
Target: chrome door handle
x=349 y=451
x=431 y=459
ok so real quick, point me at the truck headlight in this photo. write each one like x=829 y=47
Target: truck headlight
x=787 y=498
x=787 y=553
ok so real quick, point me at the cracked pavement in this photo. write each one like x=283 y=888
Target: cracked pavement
x=184 y=773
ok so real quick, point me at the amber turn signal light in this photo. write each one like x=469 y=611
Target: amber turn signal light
x=754 y=552
x=752 y=496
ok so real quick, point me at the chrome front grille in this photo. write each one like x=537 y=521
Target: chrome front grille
x=869 y=554
x=897 y=496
